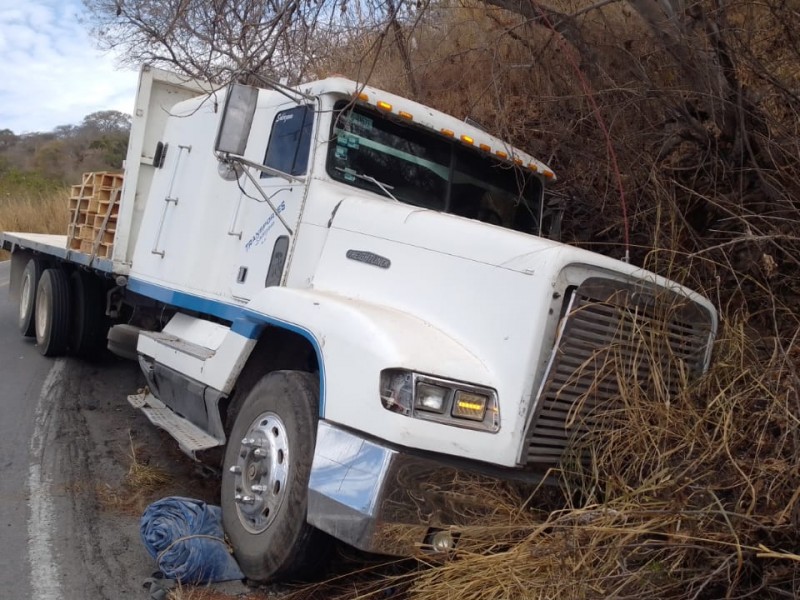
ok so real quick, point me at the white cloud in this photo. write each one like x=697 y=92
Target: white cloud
x=50 y=71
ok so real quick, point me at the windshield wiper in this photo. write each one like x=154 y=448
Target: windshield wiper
x=385 y=187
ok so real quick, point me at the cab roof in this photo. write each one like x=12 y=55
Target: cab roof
x=440 y=123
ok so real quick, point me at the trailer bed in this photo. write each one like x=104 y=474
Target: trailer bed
x=55 y=246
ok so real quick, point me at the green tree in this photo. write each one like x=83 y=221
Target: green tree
x=7 y=139
x=106 y=122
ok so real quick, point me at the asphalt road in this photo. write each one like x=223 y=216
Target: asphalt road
x=19 y=395
x=66 y=433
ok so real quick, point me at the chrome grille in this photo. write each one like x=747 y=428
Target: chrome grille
x=614 y=335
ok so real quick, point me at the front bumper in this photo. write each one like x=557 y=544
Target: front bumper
x=387 y=500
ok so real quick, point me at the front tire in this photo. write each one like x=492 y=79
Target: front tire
x=52 y=312
x=27 y=298
x=265 y=480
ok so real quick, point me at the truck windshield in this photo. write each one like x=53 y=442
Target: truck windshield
x=374 y=152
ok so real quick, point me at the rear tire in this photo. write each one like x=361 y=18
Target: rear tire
x=52 y=312
x=89 y=322
x=264 y=503
x=27 y=298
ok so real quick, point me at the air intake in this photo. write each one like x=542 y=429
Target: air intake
x=613 y=336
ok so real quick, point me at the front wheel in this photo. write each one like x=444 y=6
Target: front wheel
x=265 y=481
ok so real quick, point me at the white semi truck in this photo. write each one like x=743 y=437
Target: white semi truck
x=356 y=297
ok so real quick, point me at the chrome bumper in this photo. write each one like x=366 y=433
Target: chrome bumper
x=385 y=500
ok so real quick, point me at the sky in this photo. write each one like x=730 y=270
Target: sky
x=51 y=72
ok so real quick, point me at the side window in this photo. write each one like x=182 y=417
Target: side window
x=290 y=141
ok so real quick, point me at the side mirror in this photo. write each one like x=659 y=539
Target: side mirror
x=237 y=119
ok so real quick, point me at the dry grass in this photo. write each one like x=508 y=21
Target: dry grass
x=142 y=484
x=694 y=497
x=34 y=213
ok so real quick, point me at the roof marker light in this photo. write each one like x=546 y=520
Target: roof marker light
x=467 y=139
x=448 y=132
x=384 y=105
x=549 y=174
x=533 y=167
x=363 y=97
x=406 y=115
x=501 y=154
x=518 y=162
x=484 y=147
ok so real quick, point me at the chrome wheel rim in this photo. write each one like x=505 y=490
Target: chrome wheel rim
x=260 y=472
x=25 y=296
x=42 y=316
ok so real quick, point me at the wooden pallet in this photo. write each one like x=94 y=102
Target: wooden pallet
x=93 y=210
x=102 y=251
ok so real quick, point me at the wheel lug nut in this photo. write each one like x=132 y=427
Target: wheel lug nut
x=250 y=442
x=239 y=498
x=236 y=470
x=258 y=489
x=260 y=453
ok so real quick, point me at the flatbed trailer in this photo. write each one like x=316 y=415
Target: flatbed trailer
x=55 y=246
x=84 y=308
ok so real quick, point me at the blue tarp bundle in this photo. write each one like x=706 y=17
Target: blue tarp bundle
x=185 y=537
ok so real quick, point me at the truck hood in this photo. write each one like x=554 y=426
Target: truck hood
x=495 y=294
x=466 y=238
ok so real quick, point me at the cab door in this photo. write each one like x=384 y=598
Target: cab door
x=265 y=235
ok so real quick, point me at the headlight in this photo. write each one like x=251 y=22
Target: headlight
x=469 y=406
x=442 y=400
x=430 y=397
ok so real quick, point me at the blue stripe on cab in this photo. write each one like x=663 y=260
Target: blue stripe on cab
x=244 y=321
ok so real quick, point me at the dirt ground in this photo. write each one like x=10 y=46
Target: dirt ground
x=108 y=464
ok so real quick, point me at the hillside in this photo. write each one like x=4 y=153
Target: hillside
x=36 y=169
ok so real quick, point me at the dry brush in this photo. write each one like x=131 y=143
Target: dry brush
x=692 y=495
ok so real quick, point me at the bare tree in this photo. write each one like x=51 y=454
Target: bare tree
x=221 y=39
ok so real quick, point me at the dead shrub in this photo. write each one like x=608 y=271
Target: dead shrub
x=143 y=483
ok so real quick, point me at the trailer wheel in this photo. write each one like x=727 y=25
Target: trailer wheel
x=27 y=299
x=265 y=480
x=52 y=312
x=89 y=322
